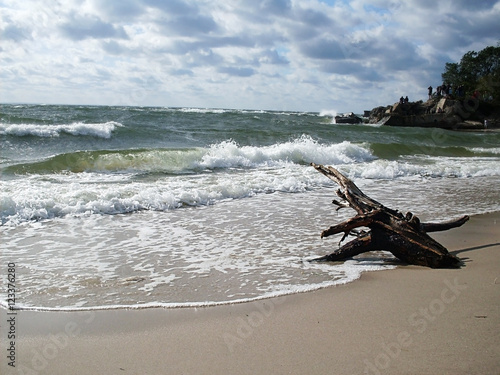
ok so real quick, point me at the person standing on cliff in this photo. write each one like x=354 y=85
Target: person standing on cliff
x=430 y=92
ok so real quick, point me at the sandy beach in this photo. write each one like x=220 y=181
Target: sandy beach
x=411 y=320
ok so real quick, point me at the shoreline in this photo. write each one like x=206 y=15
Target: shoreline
x=403 y=321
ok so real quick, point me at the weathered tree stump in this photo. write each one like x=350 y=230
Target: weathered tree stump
x=403 y=235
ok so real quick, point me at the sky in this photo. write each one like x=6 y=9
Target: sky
x=293 y=55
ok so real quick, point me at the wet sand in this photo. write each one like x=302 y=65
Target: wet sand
x=411 y=320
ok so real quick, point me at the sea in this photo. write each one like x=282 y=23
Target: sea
x=109 y=207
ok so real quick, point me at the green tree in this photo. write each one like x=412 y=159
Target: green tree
x=477 y=71
x=451 y=73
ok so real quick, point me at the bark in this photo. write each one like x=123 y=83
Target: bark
x=403 y=235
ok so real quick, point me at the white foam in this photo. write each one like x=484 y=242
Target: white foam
x=328 y=113
x=428 y=167
x=203 y=110
x=279 y=290
x=245 y=111
x=101 y=130
x=239 y=251
x=223 y=254
x=303 y=150
x=223 y=155
x=492 y=150
x=244 y=172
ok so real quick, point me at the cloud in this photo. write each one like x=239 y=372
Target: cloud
x=313 y=18
x=113 y=48
x=120 y=10
x=329 y=49
x=79 y=27
x=356 y=70
x=473 y=6
x=280 y=54
x=182 y=72
x=173 y=7
x=189 y=25
x=15 y=34
x=236 y=71
x=273 y=57
x=276 y=7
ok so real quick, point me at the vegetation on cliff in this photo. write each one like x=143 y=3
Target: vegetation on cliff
x=477 y=72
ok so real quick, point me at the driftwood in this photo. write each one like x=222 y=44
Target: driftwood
x=403 y=235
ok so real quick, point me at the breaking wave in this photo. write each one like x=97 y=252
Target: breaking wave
x=223 y=155
x=101 y=130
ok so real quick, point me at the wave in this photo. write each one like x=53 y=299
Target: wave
x=100 y=130
x=302 y=151
x=425 y=167
x=142 y=160
x=235 y=111
x=354 y=272
x=39 y=198
x=124 y=181
x=202 y=110
x=223 y=155
x=486 y=151
x=229 y=155
x=36 y=197
x=328 y=113
x=393 y=151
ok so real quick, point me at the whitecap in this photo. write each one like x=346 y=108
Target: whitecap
x=101 y=130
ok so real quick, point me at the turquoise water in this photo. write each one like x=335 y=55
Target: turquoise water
x=123 y=197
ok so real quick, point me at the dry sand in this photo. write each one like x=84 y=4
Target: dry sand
x=411 y=320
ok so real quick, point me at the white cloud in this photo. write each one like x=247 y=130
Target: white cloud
x=269 y=54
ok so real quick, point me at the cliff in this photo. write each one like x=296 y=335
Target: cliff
x=441 y=112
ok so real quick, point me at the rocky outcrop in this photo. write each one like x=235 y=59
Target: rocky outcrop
x=348 y=118
x=439 y=112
